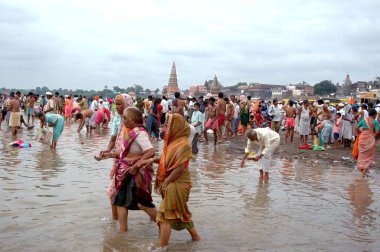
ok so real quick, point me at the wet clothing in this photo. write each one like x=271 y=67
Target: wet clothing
x=58 y=128
x=244 y=116
x=130 y=190
x=176 y=152
x=367 y=142
x=152 y=123
x=268 y=140
x=15 y=119
x=304 y=122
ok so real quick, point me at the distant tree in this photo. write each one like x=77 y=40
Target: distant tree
x=156 y=91
x=117 y=89
x=130 y=89
x=148 y=91
x=207 y=86
x=138 y=89
x=105 y=87
x=324 y=87
x=45 y=89
x=164 y=90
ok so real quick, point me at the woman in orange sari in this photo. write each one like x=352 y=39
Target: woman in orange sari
x=369 y=132
x=173 y=181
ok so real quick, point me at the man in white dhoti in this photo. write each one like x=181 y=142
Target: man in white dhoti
x=268 y=140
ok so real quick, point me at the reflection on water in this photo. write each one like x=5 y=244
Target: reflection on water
x=56 y=200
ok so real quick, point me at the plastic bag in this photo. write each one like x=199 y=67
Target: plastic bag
x=45 y=136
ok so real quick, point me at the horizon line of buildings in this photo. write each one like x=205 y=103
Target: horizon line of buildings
x=265 y=91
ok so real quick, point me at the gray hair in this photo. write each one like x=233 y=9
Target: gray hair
x=250 y=133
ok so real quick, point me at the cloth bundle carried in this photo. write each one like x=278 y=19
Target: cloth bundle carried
x=45 y=136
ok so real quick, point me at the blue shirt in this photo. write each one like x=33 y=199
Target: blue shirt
x=116 y=125
x=197 y=117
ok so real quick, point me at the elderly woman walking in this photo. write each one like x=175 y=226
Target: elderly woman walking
x=173 y=181
x=132 y=180
x=122 y=102
x=369 y=132
x=268 y=140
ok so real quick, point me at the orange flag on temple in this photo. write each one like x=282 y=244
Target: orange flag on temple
x=352 y=100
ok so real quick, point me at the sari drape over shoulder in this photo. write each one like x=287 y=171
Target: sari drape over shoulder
x=126 y=102
x=176 y=152
x=130 y=189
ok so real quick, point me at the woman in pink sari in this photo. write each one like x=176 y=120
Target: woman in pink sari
x=369 y=132
x=122 y=102
x=68 y=108
x=132 y=187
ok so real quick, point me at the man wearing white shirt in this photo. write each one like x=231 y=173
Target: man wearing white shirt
x=275 y=112
x=196 y=121
x=165 y=109
x=268 y=140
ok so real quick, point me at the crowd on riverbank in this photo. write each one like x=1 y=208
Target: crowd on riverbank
x=182 y=123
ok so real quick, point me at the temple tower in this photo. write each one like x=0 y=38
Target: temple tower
x=347 y=86
x=215 y=87
x=173 y=83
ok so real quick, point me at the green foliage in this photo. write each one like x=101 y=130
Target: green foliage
x=164 y=90
x=324 y=88
x=235 y=87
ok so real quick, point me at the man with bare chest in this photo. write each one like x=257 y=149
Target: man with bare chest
x=213 y=122
x=15 y=109
x=87 y=117
x=221 y=104
x=230 y=116
x=179 y=104
x=290 y=112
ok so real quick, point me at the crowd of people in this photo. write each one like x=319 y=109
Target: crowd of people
x=181 y=123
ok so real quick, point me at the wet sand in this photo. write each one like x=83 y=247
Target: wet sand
x=56 y=200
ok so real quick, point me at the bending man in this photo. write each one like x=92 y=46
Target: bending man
x=268 y=140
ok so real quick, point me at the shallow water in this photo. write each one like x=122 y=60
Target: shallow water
x=56 y=200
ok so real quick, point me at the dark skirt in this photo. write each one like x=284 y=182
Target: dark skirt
x=152 y=126
x=127 y=196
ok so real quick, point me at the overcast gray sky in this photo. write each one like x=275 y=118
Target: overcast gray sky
x=88 y=44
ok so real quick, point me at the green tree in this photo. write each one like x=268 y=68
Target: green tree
x=138 y=89
x=156 y=91
x=324 y=87
x=130 y=89
x=164 y=90
x=117 y=89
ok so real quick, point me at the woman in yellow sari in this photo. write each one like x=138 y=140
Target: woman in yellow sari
x=173 y=181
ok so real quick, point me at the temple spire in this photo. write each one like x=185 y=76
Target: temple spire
x=173 y=83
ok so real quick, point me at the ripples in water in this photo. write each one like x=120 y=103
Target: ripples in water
x=56 y=200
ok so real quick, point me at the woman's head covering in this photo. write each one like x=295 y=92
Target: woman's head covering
x=176 y=149
x=177 y=127
x=126 y=100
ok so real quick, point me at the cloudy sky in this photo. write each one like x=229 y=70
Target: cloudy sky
x=88 y=44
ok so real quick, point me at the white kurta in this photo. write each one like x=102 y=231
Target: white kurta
x=268 y=140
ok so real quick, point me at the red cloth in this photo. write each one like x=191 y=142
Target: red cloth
x=159 y=113
x=108 y=113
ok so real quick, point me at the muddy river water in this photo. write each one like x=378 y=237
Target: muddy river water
x=56 y=201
